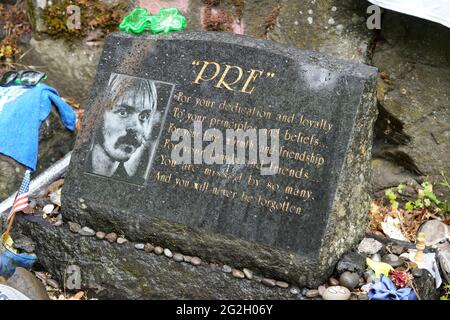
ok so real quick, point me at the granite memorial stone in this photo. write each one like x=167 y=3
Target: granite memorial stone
x=292 y=225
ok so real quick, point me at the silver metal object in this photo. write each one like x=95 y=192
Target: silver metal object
x=41 y=182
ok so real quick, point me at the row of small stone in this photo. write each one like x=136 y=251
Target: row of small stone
x=236 y=273
x=178 y=257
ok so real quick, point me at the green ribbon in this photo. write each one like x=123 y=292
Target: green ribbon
x=138 y=21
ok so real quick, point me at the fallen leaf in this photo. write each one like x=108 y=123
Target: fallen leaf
x=28 y=210
x=77 y=296
x=391 y=228
x=55 y=186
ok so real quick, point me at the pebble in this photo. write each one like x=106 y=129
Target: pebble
x=27 y=283
x=188 y=259
x=248 y=273
x=361 y=282
x=58 y=223
x=435 y=232
x=100 y=235
x=376 y=257
x=238 y=274
x=48 y=208
x=353 y=262
x=139 y=246
x=282 y=284
x=269 y=282
x=294 y=291
x=178 y=257
x=55 y=198
x=196 y=261
x=74 y=227
x=312 y=293
x=168 y=253
x=53 y=283
x=121 y=240
x=369 y=246
x=111 y=237
x=417 y=273
x=398 y=250
x=366 y=287
x=363 y=297
x=349 y=280
x=336 y=293
x=333 y=281
x=226 y=268
x=148 y=247
x=393 y=260
x=321 y=290
x=369 y=275
x=158 y=250
x=86 y=232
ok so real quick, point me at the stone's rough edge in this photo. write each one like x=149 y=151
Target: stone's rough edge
x=323 y=60
x=211 y=247
x=352 y=197
x=126 y=273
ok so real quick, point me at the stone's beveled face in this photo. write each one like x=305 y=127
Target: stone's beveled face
x=127 y=125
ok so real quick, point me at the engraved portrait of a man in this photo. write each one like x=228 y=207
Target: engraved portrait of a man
x=123 y=145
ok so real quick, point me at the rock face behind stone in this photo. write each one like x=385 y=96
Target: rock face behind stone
x=334 y=27
x=70 y=66
x=414 y=97
x=127 y=273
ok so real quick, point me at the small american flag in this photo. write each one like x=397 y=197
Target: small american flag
x=21 y=201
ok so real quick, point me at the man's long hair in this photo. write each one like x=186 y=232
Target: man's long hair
x=118 y=86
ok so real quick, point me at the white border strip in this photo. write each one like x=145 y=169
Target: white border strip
x=433 y=10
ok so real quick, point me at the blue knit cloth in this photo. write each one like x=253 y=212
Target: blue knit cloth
x=22 y=110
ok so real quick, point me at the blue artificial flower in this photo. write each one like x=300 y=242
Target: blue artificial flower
x=386 y=290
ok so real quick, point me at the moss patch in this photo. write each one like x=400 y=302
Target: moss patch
x=94 y=15
x=14 y=24
x=271 y=19
x=223 y=19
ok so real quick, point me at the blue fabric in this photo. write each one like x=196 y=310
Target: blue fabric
x=22 y=110
x=385 y=290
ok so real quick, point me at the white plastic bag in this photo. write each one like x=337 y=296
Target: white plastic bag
x=8 y=293
x=433 y=10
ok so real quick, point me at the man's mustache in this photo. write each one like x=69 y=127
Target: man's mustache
x=130 y=138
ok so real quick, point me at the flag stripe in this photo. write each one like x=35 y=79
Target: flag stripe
x=21 y=201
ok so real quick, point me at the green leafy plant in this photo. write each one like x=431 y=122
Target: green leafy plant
x=427 y=198
x=446 y=295
x=444 y=183
x=392 y=198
